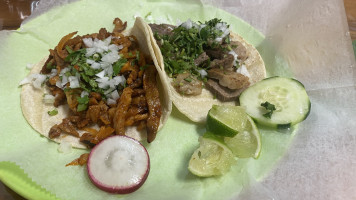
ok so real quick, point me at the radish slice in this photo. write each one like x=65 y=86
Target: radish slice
x=118 y=164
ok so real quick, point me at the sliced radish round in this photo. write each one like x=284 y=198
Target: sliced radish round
x=118 y=164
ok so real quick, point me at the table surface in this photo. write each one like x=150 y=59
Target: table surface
x=13 y=12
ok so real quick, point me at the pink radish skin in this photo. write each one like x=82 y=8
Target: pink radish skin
x=118 y=164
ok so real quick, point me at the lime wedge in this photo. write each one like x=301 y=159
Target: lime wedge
x=212 y=158
x=247 y=143
x=226 y=120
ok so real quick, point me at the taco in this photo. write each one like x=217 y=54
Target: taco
x=98 y=85
x=205 y=64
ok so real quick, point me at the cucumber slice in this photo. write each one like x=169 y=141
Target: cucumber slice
x=286 y=94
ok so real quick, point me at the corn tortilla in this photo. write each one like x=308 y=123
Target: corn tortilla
x=35 y=110
x=197 y=107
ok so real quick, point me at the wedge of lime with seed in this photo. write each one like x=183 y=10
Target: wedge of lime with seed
x=226 y=120
x=212 y=158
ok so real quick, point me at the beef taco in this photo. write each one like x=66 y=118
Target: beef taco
x=205 y=64
x=97 y=85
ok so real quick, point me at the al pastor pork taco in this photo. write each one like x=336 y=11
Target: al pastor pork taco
x=94 y=86
x=205 y=64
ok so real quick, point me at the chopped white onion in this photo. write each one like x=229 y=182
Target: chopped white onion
x=203 y=73
x=111 y=57
x=63 y=71
x=48 y=99
x=110 y=101
x=29 y=66
x=73 y=82
x=232 y=52
x=84 y=93
x=64 y=81
x=88 y=42
x=119 y=80
x=65 y=147
x=101 y=74
x=187 y=24
x=115 y=95
x=26 y=80
x=113 y=48
x=53 y=73
x=95 y=65
x=243 y=70
x=218 y=39
x=38 y=80
x=90 y=61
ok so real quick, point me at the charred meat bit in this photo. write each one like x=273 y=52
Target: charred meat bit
x=54 y=132
x=240 y=50
x=202 y=58
x=119 y=25
x=226 y=63
x=60 y=96
x=229 y=79
x=187 y=84
x=68 y=127
x=222 y=93
x=162 y=29
x=121 y=110
x=153 y=102
x=82 y=160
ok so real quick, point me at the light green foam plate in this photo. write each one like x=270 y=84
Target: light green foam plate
x=171 y=150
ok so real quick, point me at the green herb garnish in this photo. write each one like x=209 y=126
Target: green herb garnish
x=270 y=108
x=183 y=46
x=118 y=65
x=53 y=112
x=82 y=103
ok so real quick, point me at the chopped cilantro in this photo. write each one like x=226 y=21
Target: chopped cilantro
x=188 y=79
x=53 y=112
x=118 y=65
x=144 y=67
x=270 y=108
x=82 y=103
x=183 y=46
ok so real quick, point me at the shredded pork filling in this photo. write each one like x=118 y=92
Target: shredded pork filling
x=106 y=81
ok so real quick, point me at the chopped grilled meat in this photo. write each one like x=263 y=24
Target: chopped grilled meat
x=46 y=70
x=139 y=101
x=68 y=127
x=96 y=112
x=121 y=110
x=138 y=92
x=60 y=96
x=217 y=53
x=119 y=25
x=222 y=93
x=221 y=52
x=226 y=63
x=96 y=95
x=229 y=79
x=80 y=161
x=188 y=85
x=86 y=138
x=201 y=59
x=162 y=29
x=103 y=33
x=153 y=102
x=54 y=132
x=240 y=50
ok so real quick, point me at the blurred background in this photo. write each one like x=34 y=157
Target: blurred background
x=13 y=12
